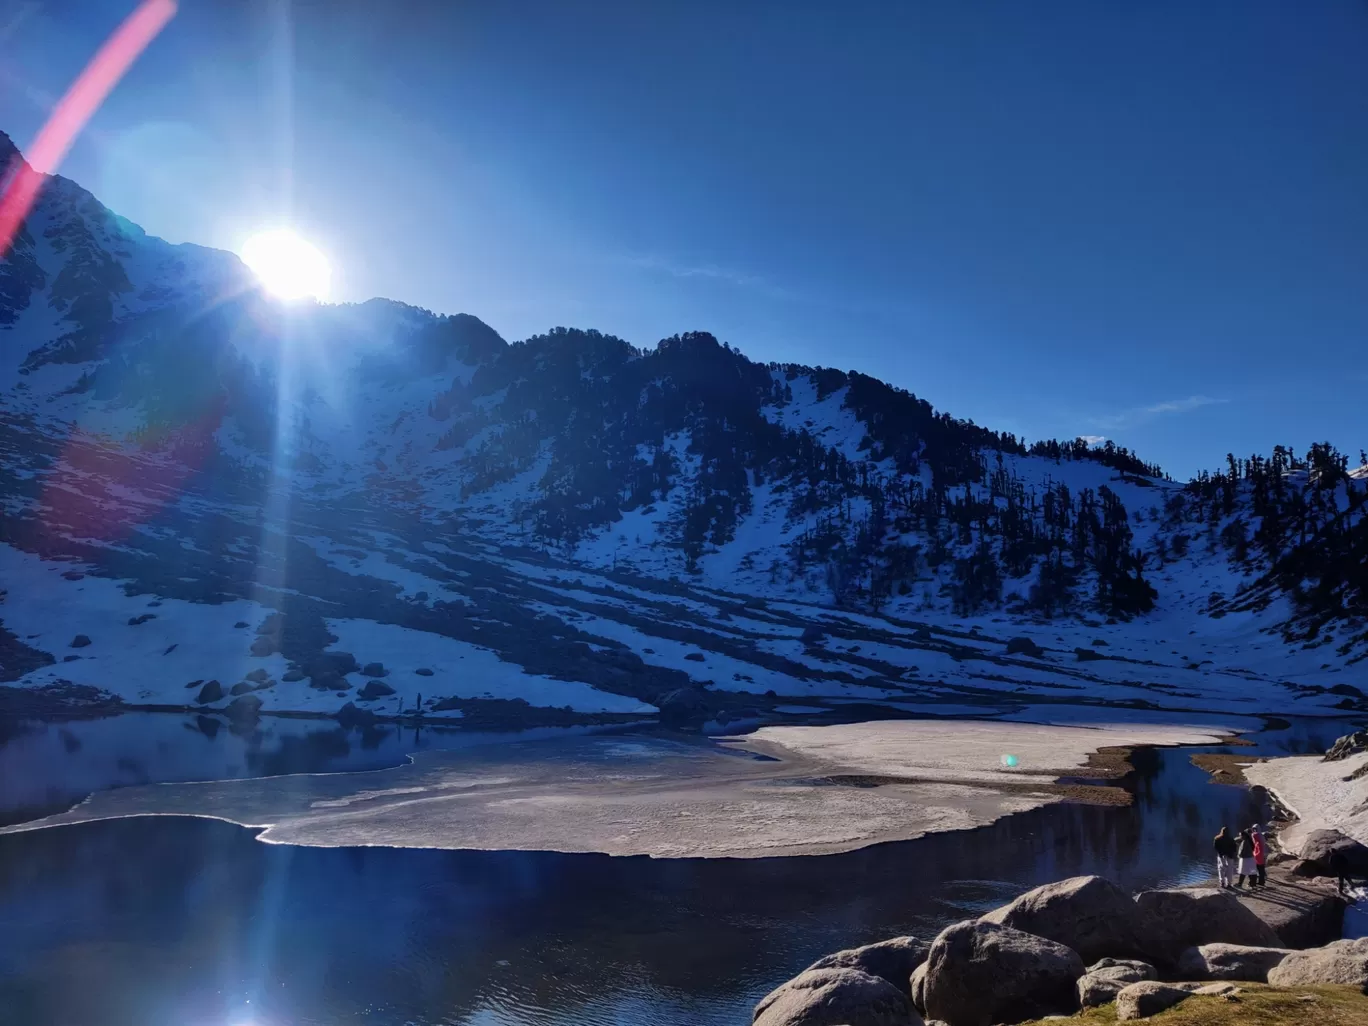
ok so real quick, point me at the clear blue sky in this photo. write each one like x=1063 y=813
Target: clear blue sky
x=1147 y=221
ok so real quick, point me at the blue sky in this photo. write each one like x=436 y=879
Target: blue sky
x=1141 y=221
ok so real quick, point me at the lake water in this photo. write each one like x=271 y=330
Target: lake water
x=169 y=920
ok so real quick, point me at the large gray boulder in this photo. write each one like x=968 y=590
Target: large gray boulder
x=1228 y=962
x=1349 y=744
x=1107 y=977
x=835 y=997
x=1149 y=997
x=1174 y=920
x=892 y=960
x=980 y=973
x=1329 y=852
x=918 y=988
x=1344 y=962
x=1088 y=913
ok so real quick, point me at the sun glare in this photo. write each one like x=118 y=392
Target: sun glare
x=288 y=266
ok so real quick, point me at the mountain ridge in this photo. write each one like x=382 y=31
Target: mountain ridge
x=314 y=461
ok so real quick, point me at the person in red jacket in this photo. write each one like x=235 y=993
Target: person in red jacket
x=1260 y=854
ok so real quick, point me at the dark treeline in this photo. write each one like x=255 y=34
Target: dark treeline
x=617 y=428
x=1298 y=523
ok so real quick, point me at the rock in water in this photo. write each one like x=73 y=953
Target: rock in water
x=1319 y=849
x=1344 y=962
x=979 y=973
x=375 y=689
x=1174 y=920
x=835 y=997
x=244 y=709
x=1349 y=744
x=1087 y=913
x=892 y=960
x=1108 y=977
x=1149 y=997
x=1229 y=962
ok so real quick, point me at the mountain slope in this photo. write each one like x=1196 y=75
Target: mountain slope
x=208 y=485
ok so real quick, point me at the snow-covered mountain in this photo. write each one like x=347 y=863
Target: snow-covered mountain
x=199 y=485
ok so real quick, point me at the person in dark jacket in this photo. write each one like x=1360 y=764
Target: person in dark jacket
x=1339 y=868
x=1225 y=858
x=1247 y=867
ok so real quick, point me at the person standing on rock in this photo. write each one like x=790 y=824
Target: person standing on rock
x=1260 y=854
x=1247 y=866
x=1225 y=858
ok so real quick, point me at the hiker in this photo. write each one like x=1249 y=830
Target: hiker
x=1225 y=858
x=1260 y=854
x=1339 y=868
x=1247 y=867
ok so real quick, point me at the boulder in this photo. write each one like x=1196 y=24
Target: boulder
x=350 y=716
x=290 y=676
x=1228 y=962
x=1146 y=998
x=835 y=997
x=683 y=706
x=80 y=641
x=374 y=689
x=256 y=676
x=892 y=960
x=241 y=688
x=980 y=973
x=374 y=670
x=1322 y=848
x=1087 y=913
x=211 y=692
x=1349 y=744
x=917 y=987
x=1217 y=990
x=1305 y=912
x=244 y=709
x=1107 y=977
x=1174 y=920
x=1024 y=646
x=423 y=671
x=1344 y=962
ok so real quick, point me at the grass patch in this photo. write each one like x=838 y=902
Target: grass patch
x=1255 y=1005
x=1224 y=768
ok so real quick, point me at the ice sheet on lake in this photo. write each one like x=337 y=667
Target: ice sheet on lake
x=645 y=795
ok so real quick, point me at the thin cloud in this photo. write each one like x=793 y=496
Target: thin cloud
x=1140 y=414
x=708 y=272
x=1092 y=439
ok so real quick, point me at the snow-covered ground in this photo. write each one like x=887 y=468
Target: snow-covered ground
x=374 y=466
x=1320 y=794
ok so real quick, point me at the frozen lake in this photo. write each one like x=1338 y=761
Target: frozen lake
x=171 y=919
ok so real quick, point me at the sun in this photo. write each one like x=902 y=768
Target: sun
x=288 y=266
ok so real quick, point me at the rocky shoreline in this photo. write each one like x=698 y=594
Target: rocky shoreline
x=1084 y=942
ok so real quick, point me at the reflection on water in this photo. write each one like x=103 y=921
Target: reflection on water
x=165 y=920
x=48 y=767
